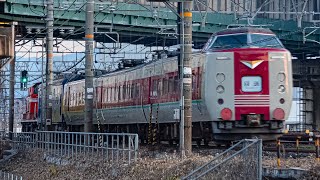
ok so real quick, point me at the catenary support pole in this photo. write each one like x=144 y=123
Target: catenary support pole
x=12 y=82
x=88 y=66
x=43 y=92
x=180 y=62
x=49 y=63
x=186 y=15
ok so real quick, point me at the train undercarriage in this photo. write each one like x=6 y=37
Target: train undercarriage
x=202 y=132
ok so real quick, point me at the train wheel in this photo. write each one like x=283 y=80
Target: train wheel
x=206 y=142
x=170 y=142
x=198 y=142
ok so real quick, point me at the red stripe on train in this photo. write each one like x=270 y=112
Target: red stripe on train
x=251 y=102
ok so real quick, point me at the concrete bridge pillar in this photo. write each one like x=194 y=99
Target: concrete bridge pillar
x=316 y=107
x=308 y=108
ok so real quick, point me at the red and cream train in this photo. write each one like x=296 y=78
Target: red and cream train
x=241 y=88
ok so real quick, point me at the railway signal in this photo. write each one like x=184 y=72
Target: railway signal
x=24 y=80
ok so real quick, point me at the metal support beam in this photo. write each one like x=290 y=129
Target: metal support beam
x=12 y=82
x=88 y=122
x=49 y=64
x=186 y=16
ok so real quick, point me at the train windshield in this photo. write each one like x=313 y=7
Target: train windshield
x=262 y=40
x=245 y=41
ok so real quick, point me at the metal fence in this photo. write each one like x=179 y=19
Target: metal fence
x=9 y=176
x=241 y=161
x=113 y=147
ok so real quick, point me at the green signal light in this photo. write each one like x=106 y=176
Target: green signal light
x=24 y=80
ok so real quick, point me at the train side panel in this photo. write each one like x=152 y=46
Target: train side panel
x=280 y=75
x=219 y=73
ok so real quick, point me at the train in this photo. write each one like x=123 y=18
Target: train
x=241 y=88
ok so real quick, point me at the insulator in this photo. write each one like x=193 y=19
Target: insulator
x=112 y=8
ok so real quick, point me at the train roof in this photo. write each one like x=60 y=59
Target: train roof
x=244 y=30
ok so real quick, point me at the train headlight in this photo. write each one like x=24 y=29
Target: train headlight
x=281 y=89
x=281 y=77
x=220 y=77
x=220 y=89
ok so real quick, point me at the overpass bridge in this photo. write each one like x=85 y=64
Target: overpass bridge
x=138 y=23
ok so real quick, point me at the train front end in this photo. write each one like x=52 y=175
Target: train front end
x=248 y=89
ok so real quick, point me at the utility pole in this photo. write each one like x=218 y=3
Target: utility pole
x=43 y=92
x=88 y=124
x=49 y=64
x=12 y=81
x=180 y=63
x=186 y=16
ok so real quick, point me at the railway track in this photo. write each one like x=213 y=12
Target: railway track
x=287 y=144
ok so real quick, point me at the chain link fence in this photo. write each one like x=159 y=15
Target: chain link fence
x=241 y=161
x=113 y=147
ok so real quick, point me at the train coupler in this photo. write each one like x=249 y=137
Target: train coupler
x=225 y=125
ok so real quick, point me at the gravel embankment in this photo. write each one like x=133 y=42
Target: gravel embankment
x=160 y=164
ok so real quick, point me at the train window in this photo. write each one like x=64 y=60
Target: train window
x=245 y=40
x=251 y=83
x=154 y=88
x=106 y=95
x=124 y=91
x=110 y=94
x=176 y=83
x=262 y=40
x=194 y=83
x=77 y=100
x=114 y=94
x=165 y=86
x=128 y=91
x=96 y=95
x=73 y=99
x=137 y=90
x=119 y=94
x=171 y=84
x=230 y=41
x=132 y=90
x=159 y=87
